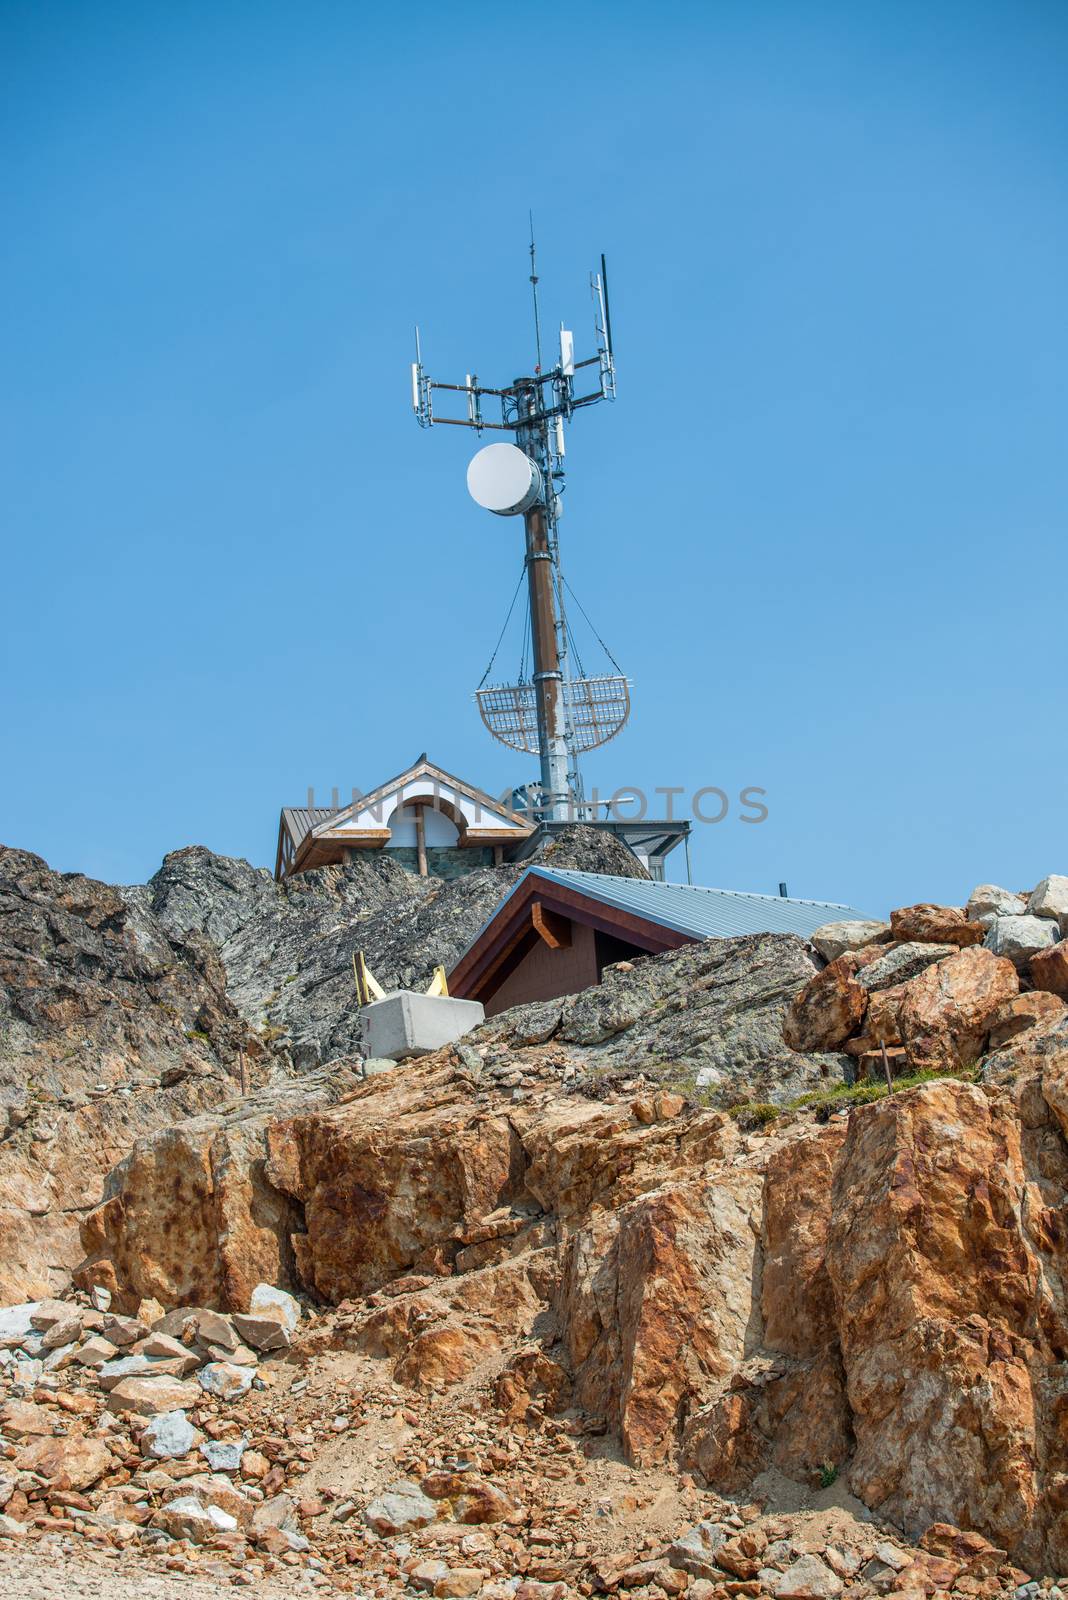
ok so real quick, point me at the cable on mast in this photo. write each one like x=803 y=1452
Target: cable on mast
x=507 y=620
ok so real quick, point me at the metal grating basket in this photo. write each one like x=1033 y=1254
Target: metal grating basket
x=595 y=708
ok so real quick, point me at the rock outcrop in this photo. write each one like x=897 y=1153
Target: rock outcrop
x=883 y=1296
x=942 y=991
x=287 y=947
x=109 y=1028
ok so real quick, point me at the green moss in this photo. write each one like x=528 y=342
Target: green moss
x=196 y=1033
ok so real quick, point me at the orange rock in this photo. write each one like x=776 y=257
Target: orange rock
x=796 y=1297
x=827 y=1010
x=1021 y=1012
x=945 y=1011
x=444 y=1355
x=947 y=1317
x=653 y=1307
x=70 y=1463
x=930 y=924
x=1049 y=969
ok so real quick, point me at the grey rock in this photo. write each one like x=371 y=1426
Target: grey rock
x=17 y=1321
x=169 y=1436
x=987 y=901
x=224 y=1379
x=694 y=1551
x=808 y=1578
x=375 y=1065
x=905 y=961
x=1019 y=938
x=224 y=1455
x=717 y=1004
x=1050 y=898
x=835 y=938
x=187 y=1517
x=402 y=1508
x=267 y=1298
x=115 y=1372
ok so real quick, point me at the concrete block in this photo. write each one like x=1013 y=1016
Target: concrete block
x=406 y=1024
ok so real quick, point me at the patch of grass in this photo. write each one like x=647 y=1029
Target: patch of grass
x=197 y=1033
x=828 y=1474
x=754 y=1113
x=292 y=978
x=862 y=1094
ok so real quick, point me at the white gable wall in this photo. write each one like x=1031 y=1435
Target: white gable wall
x=378 y=816
x=440 y=831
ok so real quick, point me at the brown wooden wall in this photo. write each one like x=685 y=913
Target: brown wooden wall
x=542 y=974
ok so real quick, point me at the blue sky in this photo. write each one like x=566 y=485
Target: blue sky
x=823 y=528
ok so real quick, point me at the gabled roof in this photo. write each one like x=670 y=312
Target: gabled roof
x=702 y=913
x=651 y=916
x=492 y=814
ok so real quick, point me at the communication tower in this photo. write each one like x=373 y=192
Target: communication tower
x=554 y=714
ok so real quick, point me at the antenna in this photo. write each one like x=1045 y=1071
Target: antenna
x=534 y=288
x=553 y=715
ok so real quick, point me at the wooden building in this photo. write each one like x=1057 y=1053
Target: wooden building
x=558 y=930
x=438 y=825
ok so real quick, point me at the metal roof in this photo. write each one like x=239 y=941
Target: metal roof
x=299 y=820
x=701 y=913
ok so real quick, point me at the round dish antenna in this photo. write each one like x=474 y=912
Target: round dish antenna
x=503 y=479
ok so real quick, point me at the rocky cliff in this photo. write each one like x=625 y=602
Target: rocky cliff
x=750 y=1224
x=127 y=1010
x=287 y=947
x=109 y=1027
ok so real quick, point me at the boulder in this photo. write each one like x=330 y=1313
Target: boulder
x=114 y=1372
x=827 y=1010
x=20 y=1419
x=73 y=1462
x=187 y=1517
x=808 y=1578
x=147 y=1397
x=931 y=924
x=213 y=1489
x=268 y=1300
x=835 y=938
x=987 y=901
x=900 y=963
x=95 y=1352
x=224 y=1455
x=225 y=1380
x=401 y=1509
x=169 y=1436
x=950 y=1313
x=694 y=1552
x=654 y=1306
x=943 y=1014
x=261 y=1330
x=1050 y=898
x=17 y=1321
x=1023 y=1011
x=1020 y=938
x=1048 y=969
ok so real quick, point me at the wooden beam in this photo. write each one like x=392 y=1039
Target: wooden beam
x=554 y=929
x=420 y=840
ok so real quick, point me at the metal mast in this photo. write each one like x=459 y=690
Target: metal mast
x=555 y=715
